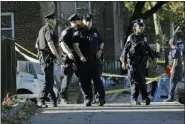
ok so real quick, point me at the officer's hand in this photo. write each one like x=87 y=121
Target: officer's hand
x=98 y=55
x=124 y=66
x=82 y=58
x=70 y=55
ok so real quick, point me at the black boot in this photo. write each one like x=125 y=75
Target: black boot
x=147 y=101
x=102 y=102
x=55 y=103
x=88 y=102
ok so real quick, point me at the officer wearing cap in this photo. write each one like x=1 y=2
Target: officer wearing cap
x=68 y=54
x=88 y=45
x=87 y=21
x=46 y=44
x=176 y=69
x=134 y=53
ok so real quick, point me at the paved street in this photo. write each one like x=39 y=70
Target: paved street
x=119 y=113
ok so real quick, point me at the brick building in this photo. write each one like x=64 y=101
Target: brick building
x=22 y=21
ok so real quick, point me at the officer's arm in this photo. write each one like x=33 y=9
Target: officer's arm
x=151 y=52
x=175 y=57
x=76 y=41
x=37 y=43
x=101 y=43
x=123 y=57
x=63 y=39
x=77 y=49
x=174 y=65
x=51 y=43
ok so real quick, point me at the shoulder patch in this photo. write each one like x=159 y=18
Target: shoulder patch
x=76 y=33
x=64 y=32
x=129 y=38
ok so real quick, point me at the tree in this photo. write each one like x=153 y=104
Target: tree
x=138 y=13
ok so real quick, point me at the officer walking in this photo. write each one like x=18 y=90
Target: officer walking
x=85 y=21
x=68 y=54
x=88 y=46
x=135 y=50
x=46 y=42
x=176 y=69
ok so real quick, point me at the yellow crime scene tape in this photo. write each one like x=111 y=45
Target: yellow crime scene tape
x=26 y=50
x=150 y=80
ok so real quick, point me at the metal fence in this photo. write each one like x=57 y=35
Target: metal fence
x=8 y=68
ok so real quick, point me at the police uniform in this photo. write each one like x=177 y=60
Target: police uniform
x=66 y=36
x=176 y=76
x=89 y=41
x=46 y=58
x=135 y=51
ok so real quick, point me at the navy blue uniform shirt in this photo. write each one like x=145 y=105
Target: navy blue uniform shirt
x=88 y=40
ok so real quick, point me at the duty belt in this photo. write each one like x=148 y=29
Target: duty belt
x=141 y=59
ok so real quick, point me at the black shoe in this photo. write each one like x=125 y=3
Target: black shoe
x=88 y=103
x=55 y=103
x=48 y=99
x=169 y=100
x=102 y=102
x=134 y=102
x=147 y=101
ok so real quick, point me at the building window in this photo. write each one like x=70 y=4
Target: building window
x=7 y=25
x=83 y=7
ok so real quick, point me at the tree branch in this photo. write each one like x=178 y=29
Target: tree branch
x=153 y=9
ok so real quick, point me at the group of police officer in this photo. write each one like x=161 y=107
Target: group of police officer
x=82 y=48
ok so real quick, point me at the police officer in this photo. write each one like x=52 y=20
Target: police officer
x=88 y=45
x=86 y=21
x=46 y=43
x=135 y=50
x=176 y=69
x=68 y=53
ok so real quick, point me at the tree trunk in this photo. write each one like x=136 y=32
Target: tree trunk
x=158 y=30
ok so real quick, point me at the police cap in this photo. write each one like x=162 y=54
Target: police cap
x=87 y=17
x=139 y=22
x=74 y=17
x=50 y=16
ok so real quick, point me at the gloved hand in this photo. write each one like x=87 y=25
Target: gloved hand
x=98 y=55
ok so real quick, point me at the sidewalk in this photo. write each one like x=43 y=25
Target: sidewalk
x=156 y=113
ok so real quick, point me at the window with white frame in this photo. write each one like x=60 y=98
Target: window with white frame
x=83 y=7
x=7 y=25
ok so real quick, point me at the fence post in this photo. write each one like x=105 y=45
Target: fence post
x=8 y=68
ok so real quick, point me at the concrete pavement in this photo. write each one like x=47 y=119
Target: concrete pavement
x=119 y=113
